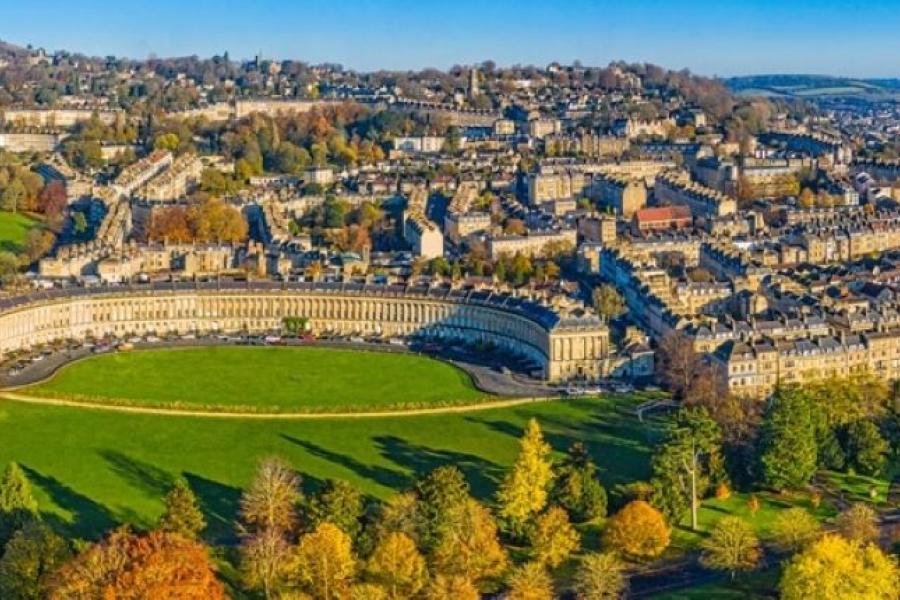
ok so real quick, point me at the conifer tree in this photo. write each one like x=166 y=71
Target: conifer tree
x=182 y=514
x=17 y=504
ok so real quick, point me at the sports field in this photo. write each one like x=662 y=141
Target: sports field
x=13 y=229
x=263 y=379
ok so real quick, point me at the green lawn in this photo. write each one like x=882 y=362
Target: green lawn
x=95 y=468
x=13 y=229
x=264 y=378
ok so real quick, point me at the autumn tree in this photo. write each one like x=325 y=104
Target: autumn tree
x=529 y=582
x=833 y=568
x=553 y=539
x=29 y=561
x=442 y=499
x=338 y=503
x=576 y=487
x=182 y=514
x=677 y=362
x=638 y=530
x=127 y=565
x=323 y=564
x=858 y=523
x=271 y=499
x=600 y=576
x=731 y=546
x=471 y=548
x=267 y=517
x=794 y=528
x=451 y=587
x=397 y=566
x=212 y=220
x=17 y=504
x=525 y=489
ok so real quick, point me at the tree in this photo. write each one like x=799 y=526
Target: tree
x=9 y=268
x=264 y=561
x=529 y=582
x=366 y=591
x=397 y=566
x=807 y=199
x=600 y=576
x=833 y=568
x=212 y=220
x=323 y=563
x=127 y=565
x=52 y=200
x=677 y=362
x=553 y=539
x=858 y=523
x=271 y=499
x=608 y=302
x=338 y=503
x=794 y=528
x=788 y=449
x=866 y=448
x=638 y=530
x=30 y=560
x=451 y=587
x=182 y=514
x=524 y=491
x=443 y=496
x=576 y=487
x=12 y=198
x=731 y=546
x=471 y=548
x=683 y=465
x=17 y=504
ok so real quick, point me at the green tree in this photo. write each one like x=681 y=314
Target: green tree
x=794 y=528
x=182 y=512
x=608 y=302
x=30 y=560
x=866 y=448
x=682 y=466
x=731 y=546
x=9 y=267
x=525 y=489
x=17 y=504
x=788 y=450
x=338 y=503
x=576 y=487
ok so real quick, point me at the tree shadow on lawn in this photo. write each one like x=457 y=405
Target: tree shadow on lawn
x=481 y=474
x=622 y=452
x=386 y=477
x=89 y=519
x=148 y=478
x=220 y=504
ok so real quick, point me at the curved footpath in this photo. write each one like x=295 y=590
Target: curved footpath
x=12 y=396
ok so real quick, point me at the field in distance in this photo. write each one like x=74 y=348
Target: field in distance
x=263 y=379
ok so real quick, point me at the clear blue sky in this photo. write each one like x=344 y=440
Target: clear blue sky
x=722 y=37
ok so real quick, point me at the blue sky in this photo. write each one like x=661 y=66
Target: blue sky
x=724 y=37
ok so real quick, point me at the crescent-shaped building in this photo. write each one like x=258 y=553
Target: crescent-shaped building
x=566 y=341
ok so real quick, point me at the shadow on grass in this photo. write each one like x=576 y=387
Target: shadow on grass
x=88 y=518
x=141 y=475
x=385 y=477
x=220 y=504
x=482 y=475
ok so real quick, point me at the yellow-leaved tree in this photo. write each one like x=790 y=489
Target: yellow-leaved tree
x=833 y=568
x=451 y=587
x=472 y=549
x=524 y=491
x=397 y=566
x=323 y=563
x=553 y=539
x=638 y=530
x=529 y=582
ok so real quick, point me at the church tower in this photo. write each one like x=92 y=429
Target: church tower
x=473 y=83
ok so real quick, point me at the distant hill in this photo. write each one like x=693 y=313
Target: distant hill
x=811 y=86
x=8 y=49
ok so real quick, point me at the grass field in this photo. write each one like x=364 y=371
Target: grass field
x=13 y=229
x=96 y=468
x=263 y=378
